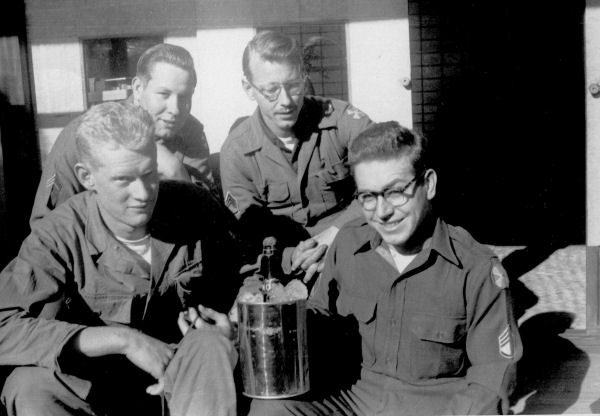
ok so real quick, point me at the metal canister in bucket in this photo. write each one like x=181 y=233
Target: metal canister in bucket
x=273 y=353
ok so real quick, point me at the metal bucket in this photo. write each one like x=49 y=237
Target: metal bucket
x=273 y=353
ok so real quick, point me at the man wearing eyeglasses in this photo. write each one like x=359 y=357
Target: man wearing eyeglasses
x=432 y=306
x=289 y=158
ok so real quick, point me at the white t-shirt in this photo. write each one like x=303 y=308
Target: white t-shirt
x=141 y=247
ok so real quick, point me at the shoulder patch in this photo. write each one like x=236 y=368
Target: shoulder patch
x=51 y=180
x=505 y=343
x=327 y=108
x=231 y=203
x=355 y=113
x=499 y=276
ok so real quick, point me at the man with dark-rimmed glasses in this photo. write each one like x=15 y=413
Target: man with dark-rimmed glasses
x=431 y=305
x=287 y=163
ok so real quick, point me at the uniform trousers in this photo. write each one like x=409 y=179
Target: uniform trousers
x=198 y=381
x=371 y=395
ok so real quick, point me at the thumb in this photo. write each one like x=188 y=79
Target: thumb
x=156 y=389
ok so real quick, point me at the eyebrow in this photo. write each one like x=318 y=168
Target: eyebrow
x=386 y=187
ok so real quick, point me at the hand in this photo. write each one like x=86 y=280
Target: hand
x=147 y=353
x=309 y=256
x=204 y=317
x=326 y=236
x=169 y=166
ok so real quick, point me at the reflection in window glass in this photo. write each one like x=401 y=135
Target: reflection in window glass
x=324 y=56
x=110 y=66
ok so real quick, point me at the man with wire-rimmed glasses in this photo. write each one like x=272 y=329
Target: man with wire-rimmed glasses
x=289 y=159
x=431 y=305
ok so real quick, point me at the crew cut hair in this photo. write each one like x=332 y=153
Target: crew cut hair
x=273 y=46
x=164 y=52
x=389 y=140
x=113 y=124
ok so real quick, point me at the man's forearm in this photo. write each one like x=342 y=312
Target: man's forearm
x=100 y=341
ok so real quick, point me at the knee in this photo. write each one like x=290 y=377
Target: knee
x=207 y=343
x=25 y=391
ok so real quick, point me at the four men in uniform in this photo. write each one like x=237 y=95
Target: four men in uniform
x=121 y=291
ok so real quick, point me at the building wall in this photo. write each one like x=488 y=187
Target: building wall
x=215 y=32
x=592 y=76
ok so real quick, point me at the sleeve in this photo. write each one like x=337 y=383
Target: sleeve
x=32 y=295
x=334 y=341
x=319 y=299
x=58 y=182
x=493 y=343
x=239 y=189
x=196 y=156
x=351 y=123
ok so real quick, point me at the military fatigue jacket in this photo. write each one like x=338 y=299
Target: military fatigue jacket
x=72 y=272
x=255 y=172
x=58 y=182
x=440 y=335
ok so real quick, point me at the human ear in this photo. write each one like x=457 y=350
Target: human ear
x=85 y=176
x=430 y=183
x=248 y=89
x=137 y=85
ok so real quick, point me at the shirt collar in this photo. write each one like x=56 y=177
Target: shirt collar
x=440 y=242
x=96 y=231
x=315 y=114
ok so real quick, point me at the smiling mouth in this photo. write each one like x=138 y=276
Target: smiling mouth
x=168 y=123
x=286 y=112
x=390 y=225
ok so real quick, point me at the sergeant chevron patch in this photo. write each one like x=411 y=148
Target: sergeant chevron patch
x=231 y=203
x=505 y=343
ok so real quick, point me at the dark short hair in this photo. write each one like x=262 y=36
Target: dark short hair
x=170 y=54
x=273 y=46
x=389 y=140
x=114 y=124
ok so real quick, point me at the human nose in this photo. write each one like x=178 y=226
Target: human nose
x=141 y=189
x=174 y=104
x=383 y=209
x=284 y=96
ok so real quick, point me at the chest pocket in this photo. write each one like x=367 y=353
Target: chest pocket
x=277 y=194
x=113 y=308
x=365 y=312
x=335 y=184
x=437 y=346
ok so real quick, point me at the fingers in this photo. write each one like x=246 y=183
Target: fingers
x=220 y=320
x=312 y=269
x=300 y=252
x=305 y=254
x=314 y=256
x=157 y=388
x=183 y=323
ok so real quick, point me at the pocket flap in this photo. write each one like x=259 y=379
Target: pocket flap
x=111 y=308
x=278 y=192
x=363 y=309
x=446 y=330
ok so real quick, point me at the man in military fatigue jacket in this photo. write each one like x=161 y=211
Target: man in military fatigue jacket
x=432 y=306
x=93 y=309
x=289 y=159
x=163 y=86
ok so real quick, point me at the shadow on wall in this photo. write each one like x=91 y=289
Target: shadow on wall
x=552 y=369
